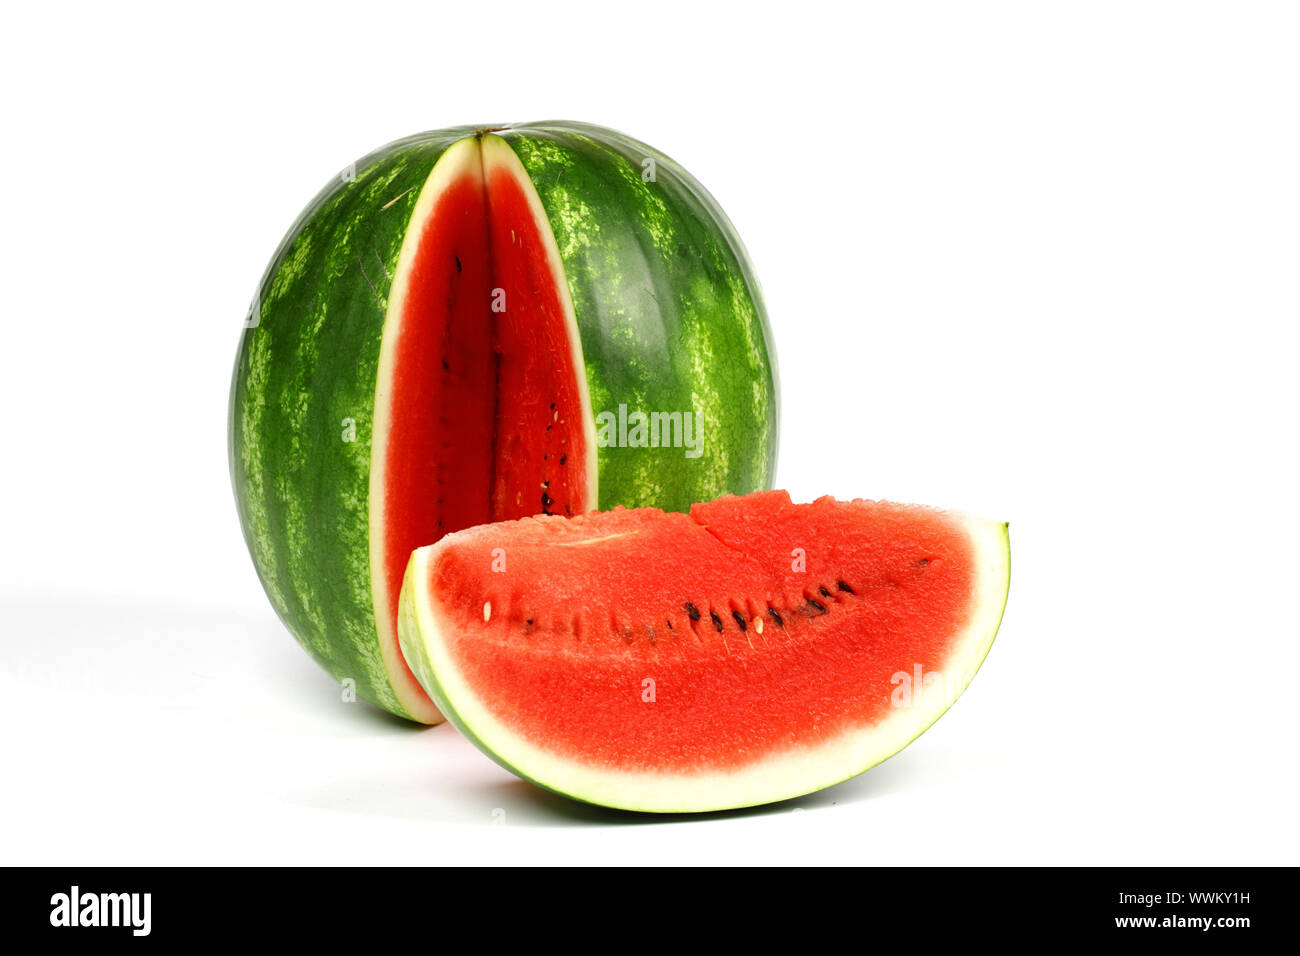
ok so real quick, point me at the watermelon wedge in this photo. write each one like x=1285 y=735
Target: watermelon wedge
x=749 y=651
x=458 y=331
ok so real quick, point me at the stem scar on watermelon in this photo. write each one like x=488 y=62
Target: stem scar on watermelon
x=667 y=662
x=468 y=300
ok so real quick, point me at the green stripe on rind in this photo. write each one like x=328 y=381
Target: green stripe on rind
x=418 y=639
x=303 y=370
x=669 y=311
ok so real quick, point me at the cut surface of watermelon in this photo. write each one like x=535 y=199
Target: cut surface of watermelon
x=476 y=420
x=751 y=651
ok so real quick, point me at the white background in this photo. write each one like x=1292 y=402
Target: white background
x=1034 y=261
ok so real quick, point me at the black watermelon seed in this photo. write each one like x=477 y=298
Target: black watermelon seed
x=823 y=592
x=717 y=621
x=547 y=500
x=844 y=587
x=692 y=610
x=445 y=366
x=740 y=621
x=563 y=459
x=669 y=623
x=458 y=268
x=923 y=562
x=776 y=617
x=821 y=608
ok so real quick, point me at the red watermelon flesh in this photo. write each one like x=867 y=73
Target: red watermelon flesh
x=753 y=650
x=477 y=421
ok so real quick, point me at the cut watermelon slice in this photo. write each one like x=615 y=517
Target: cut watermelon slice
x=751 y=651
x=475 y=421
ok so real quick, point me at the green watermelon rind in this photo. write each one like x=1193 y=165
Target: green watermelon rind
x=418 y=631
x=309 y=357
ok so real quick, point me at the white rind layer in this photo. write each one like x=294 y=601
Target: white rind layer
x=423 y=629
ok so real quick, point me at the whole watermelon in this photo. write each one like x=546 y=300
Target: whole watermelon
x=479 y=324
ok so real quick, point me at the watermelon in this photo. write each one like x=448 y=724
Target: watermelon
x=477 y=325
x=749 y=651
